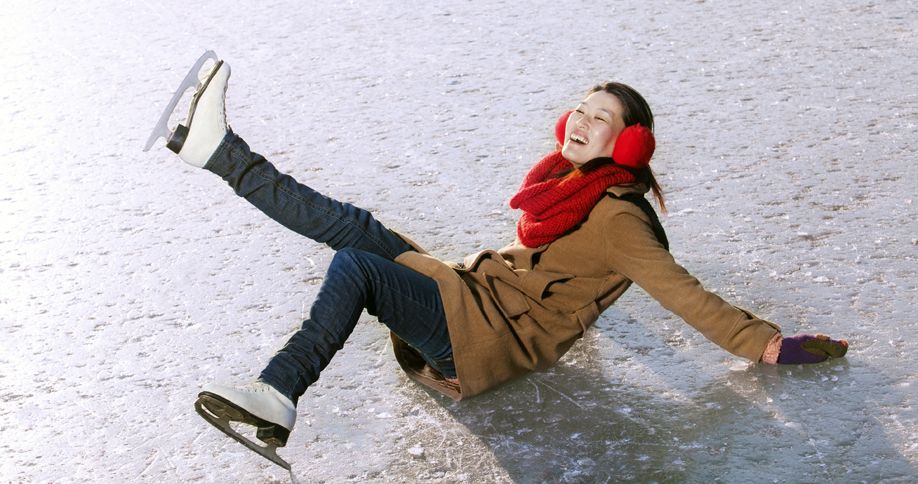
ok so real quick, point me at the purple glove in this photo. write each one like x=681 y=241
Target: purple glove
x=807 y=348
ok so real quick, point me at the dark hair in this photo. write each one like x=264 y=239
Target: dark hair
x=637 y=111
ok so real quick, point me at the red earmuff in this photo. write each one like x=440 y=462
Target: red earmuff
x=634 y=147
x=561 y=127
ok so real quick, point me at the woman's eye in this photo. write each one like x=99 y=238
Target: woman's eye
x=601 y=119
x=578 y=111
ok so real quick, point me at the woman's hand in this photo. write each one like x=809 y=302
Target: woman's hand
x=808 y=348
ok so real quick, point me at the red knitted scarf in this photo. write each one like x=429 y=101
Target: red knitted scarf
x=552 y=206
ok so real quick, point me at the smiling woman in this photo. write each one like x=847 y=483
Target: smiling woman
x=586 y=233
x=610 y=111
x=593 y=128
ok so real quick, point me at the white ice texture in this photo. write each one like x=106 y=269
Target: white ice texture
x=787 y=139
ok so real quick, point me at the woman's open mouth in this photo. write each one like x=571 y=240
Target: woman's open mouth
x=581 y=140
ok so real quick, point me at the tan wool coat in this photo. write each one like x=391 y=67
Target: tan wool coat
x=519 y=309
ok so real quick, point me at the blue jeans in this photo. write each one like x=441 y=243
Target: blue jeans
x=362 y=275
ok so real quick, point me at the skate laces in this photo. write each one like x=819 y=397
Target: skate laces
x=256 y=387
x=262 y=387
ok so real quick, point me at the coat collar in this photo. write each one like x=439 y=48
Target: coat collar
x=619 y=190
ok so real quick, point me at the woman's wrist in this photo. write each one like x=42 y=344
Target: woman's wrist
x=772 y=350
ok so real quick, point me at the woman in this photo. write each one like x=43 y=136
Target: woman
x=586 y=233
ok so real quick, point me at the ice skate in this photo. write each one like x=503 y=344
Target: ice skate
x=204 y=128
x=257 y=404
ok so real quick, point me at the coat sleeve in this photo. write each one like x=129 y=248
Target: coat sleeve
x=633 y=251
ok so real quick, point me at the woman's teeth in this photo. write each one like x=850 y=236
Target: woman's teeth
x=578 y=139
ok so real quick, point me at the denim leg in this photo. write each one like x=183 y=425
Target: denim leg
x=406 y=301
x=298 y=207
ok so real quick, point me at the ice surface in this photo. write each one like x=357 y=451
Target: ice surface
x=787 y=140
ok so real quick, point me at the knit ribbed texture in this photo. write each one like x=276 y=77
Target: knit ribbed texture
x=552 y=206
x=772 y=351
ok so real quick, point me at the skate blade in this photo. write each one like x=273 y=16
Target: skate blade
x=191 y=80
x=219 y=413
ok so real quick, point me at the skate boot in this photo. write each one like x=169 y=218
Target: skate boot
x=257 y=404
x=204 y=128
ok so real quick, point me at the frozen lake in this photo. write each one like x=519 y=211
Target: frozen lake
x=787 y=145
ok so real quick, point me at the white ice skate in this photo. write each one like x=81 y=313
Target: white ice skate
x=205 y=126
x=257 y=404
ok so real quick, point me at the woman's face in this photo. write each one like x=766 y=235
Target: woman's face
x=593 y=128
